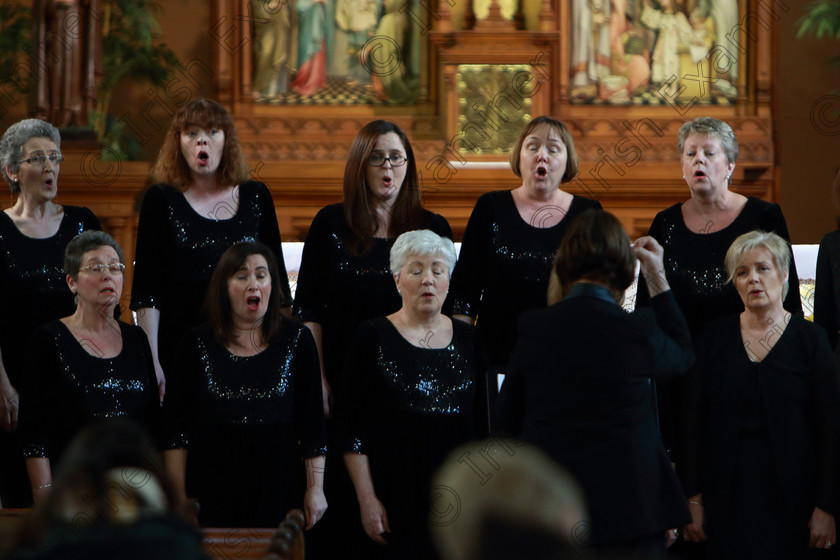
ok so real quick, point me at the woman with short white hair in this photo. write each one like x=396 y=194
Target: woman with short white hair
x=413 y=392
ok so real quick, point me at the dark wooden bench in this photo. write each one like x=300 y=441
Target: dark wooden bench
x=282 y=543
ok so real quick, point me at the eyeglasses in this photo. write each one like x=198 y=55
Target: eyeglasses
x=378 y=160
x=113 y=268
x=39 y=159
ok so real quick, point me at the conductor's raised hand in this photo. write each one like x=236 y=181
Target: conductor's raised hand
x=651 y=256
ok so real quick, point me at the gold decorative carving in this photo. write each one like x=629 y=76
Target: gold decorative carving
x=488 y=116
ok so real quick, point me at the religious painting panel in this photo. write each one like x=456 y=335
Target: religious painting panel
x=643 y=52
x=339 y=52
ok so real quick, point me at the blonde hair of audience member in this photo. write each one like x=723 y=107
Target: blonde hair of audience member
x=522 y=486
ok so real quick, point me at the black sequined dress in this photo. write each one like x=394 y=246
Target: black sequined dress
x=33 y=282
x=247 y=422
x=503 y=268
x=406 y=407
x=694 y=262
x=35 y=292
x=177 y=250
x=67 y=388
x=341 y=290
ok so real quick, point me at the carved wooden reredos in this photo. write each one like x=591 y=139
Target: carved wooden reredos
x=628 y=153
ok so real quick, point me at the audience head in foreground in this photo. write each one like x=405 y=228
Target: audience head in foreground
x=497 y=490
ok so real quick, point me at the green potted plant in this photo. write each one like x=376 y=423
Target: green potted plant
x=129 y=52
x=15 y=29
x=822 y=20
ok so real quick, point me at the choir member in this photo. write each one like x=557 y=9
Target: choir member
x=763 y=421
x=512 y=236
x=203 y=202
x=33 y=235
x=345 y=280
x=696 y=234
x=86 y=366
x=413 y=390
x=244 y=404
x=827 y=289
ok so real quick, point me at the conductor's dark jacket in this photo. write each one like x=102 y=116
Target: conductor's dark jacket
x=579 y=388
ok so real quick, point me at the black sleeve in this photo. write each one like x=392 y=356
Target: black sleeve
x=825 y=313
x=595 y=203
x=826 y=398
x=670 y=342
x=313 y=276
x=440 y=226
x=772 y=219
x=150 y=258
x=39 y=396
x=356 y=409
x=269 y=235
x=471 y=272
x=481 y=410
x=89 y=220
x=152 y=416
x=309 y=405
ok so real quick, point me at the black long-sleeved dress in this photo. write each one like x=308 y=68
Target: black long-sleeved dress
x=406 y=408
x=827 y=290
x=247 y=422
x=695 y=271
x=503 y=268
x=340 y=290
x=67 y=388
x=178 y=249
x=762 y=439
x=33 y=281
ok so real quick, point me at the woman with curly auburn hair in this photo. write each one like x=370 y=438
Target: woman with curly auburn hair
x=172 y=167
x=201 y=204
